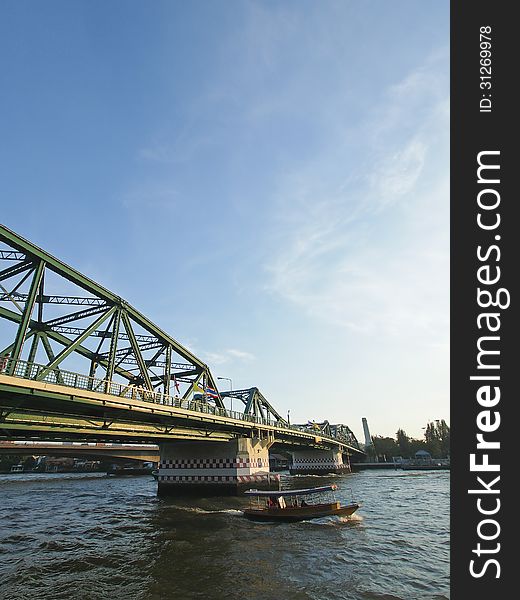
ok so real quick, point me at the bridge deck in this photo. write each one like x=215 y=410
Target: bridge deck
x=51 y=410
x=93 y=330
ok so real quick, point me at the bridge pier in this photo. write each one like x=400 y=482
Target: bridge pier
x=215 y=468
x=318 y=462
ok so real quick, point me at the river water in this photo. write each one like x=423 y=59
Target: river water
x=94 y=537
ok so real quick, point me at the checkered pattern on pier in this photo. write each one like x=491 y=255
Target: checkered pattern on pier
x=215 y=470
x=219 y=478
x=214 y=463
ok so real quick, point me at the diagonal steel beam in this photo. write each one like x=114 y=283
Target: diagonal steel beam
x=9 y=349
x=13 y=294
x=137 y=352
x=91 y=286
x=50 y=355
x=194 y=383
x=177 y=375
x=14 y=291
x=34 y=347
x=15 y=270
x=32 y=352
x=259 y=410
x=75 y=343
x=63 y=340
x=7 y=295
x=76 y=316
x=249 y=402
x=27 y=312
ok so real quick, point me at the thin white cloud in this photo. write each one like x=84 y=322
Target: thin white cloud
x=230 y=356
x=369 y=251
x=398 y=174
x=241 y=355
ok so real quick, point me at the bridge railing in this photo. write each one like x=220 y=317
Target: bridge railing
x=37 y=372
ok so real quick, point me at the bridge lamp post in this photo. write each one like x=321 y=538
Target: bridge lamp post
x=230 y=388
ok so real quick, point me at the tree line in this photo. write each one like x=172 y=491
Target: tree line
x=436 y=441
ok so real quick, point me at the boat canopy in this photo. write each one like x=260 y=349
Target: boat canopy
x=276 y=494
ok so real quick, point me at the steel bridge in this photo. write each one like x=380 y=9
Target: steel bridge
x=92 y=451
x=78 y=362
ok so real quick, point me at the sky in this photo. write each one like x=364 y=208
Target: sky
x=266 y=181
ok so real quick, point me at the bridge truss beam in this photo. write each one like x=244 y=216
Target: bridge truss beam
x=38 y=330
x=98 y=332
x=254 y=403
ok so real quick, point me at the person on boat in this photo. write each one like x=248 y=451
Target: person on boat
x=304 y=503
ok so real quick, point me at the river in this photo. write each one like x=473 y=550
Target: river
x=94 y=537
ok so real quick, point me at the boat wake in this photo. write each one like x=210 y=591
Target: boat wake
x=355 y=518
x=203 y=511
x=313 y=476
x=335 y=521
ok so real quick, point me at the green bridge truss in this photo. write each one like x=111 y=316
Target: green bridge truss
x=57 y=318
x=89 y=328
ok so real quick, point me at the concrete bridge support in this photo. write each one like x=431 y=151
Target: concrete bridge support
x=215 y=468
x=318 y=462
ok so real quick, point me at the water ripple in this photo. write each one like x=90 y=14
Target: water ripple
x=108 y=538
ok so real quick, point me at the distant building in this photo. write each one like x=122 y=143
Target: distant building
x=423 y=455
x=369 y=443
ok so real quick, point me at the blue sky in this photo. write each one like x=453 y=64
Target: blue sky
x=267 y=181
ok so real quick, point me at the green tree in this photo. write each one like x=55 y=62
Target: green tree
x=403 y=441
x=437 y=438
x=416 y=445
x=431 y=437
x=443 y=430
x=386 y=447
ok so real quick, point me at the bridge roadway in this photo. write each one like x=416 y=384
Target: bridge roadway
x=51 y=411
x=46 y=336
x=203 y=448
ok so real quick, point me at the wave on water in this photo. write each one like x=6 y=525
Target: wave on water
x=376 y=596
x=334 y=521
x=113 y=540
x=354 y=517
x=27 y=478
x=228 y=511
x=203 y=511
x=317 y=476
x=16 y=539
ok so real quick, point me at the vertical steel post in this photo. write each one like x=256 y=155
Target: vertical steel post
x=40 y=299
x=113 y=348
x=167 y=369
x=26 y=315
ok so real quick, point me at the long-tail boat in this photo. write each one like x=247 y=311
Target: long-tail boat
x=296 y=505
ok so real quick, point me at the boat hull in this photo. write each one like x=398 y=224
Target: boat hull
x=300 y=513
